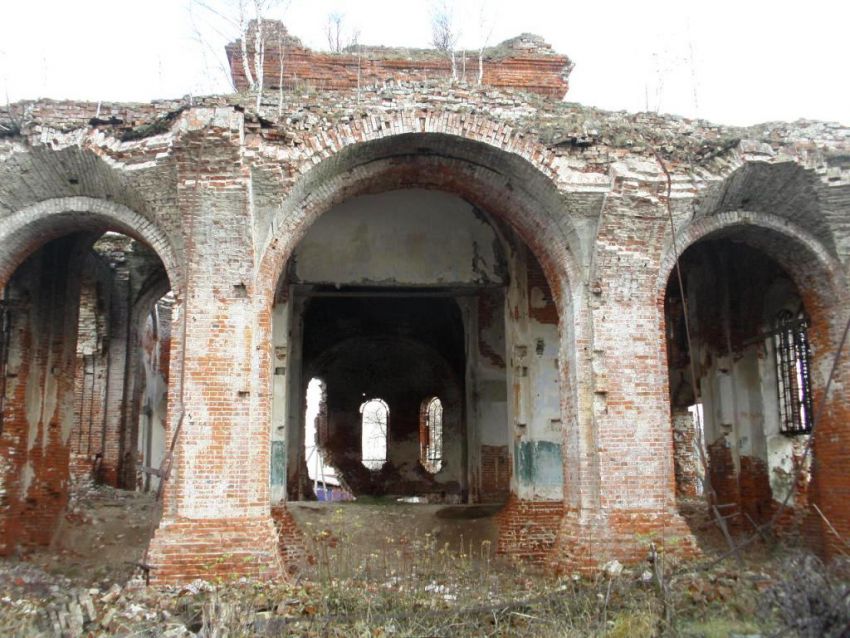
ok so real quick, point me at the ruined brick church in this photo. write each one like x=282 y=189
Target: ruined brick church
x=477 y=280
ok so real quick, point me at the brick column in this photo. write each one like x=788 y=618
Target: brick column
x=830 y=487
x=116 y=371
x=90 y=369
x=216 y=520
x=629 y=493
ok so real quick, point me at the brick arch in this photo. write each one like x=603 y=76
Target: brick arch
x=492 y=134
x=768 y=233
x=156 y=287
x=822 y=284
x=28 y=228
x=504 y=184
x=785 y=190
x=501 y=183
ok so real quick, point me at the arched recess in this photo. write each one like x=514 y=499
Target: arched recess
x=431 y=439
x=750 y=462
x=501 y=186
x=45 y=249
x=27 y=228
x=783 y=191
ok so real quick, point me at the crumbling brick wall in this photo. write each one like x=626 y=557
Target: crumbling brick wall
x=223 y=194
x=39 y=406
x=525 y=63
x=686 y=455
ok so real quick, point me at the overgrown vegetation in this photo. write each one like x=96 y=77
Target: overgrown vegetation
x=418 y=585
x=383 y=568
x=810 y=599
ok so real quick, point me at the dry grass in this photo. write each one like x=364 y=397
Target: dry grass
x=373 y=579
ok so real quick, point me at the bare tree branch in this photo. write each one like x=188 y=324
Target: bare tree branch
x=248 y=19
x=444 y=32
x=333 y=31
x=486 y=24
x=259 y=49
x=208 y=50
x=243 y=41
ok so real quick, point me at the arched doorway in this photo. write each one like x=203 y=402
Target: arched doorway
x=73 y=282
x=763 y=310
x=500 y=254
x=421 y=299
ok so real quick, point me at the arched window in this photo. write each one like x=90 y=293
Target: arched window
x=375 y=415
x=793 y=360
x=431 y=435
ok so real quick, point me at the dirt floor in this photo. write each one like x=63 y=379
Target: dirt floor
x=102 y=538
x=354 y=535
x=382 y=568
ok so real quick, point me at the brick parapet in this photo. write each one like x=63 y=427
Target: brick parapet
x=524 y=63
x=594 y=138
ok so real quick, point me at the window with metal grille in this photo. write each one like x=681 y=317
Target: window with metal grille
x=431 y=435
x=373 y=443
x=793 y=365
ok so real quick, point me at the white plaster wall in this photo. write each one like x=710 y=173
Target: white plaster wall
x=405 y=237
x=740 y=399
x=279 y=414
x=533 y=394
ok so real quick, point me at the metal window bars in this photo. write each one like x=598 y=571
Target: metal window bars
x=793 y=373
x=433 y=452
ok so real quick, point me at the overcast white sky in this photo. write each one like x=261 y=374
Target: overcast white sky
x=734 y=62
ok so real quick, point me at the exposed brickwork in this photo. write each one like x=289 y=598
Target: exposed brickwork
x=91 y=364
x=830 y=483
x=291 y=544
x=722 y=474
x=626 y=536
x=686 y=456
x=525 y=63
x=186 y=549
x=38 y=411
x=223 y=197
x=528 y=530
x=754 y=485
x=495 y=473
x=632 y=532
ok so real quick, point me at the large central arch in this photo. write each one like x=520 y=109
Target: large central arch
x=505 y=186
